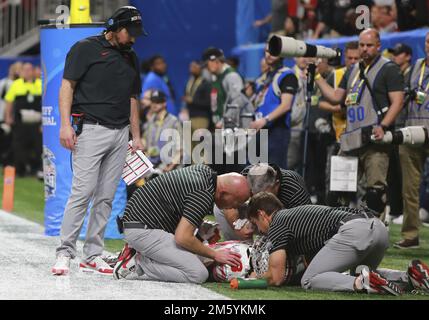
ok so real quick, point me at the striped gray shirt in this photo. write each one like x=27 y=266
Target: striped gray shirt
x=163 y=201
x=304 y=230
x=292 y=191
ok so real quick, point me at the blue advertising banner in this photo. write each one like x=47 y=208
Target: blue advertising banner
x=55 y=44
x=181 y=30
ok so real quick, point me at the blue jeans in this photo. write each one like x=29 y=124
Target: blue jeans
x=278 y=143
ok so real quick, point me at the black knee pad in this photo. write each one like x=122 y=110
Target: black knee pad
x=376 y=198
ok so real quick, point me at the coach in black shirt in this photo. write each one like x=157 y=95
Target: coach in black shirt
x=101 y=89
x=161 y=218
x=337 y=240
x=287 y=185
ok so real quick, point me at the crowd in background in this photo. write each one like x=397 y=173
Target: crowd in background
x=326 y=123
x=214 y=82
x=305 y=19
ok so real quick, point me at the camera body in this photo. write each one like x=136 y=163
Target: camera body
x=410 y=94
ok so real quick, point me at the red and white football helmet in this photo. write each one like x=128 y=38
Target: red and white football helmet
x=225 y=273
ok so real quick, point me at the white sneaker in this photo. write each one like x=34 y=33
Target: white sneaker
x=62 y=266
x=127 y=265
x=97 y=265
x=424 y=217
x=398 y=220
x=373 y=282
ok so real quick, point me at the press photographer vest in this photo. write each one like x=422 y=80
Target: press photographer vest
x=299 y=109
x=418 y=113
x=271 y=95
x=153 y=131
x=362 y=111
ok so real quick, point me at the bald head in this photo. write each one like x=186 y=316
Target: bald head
x=369 y=45
x=232 y=190
x=370 y=32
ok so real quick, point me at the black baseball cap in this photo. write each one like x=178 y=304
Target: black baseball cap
x=158 y=96
x=213 y=54
x=401 y=48
x=128 y=17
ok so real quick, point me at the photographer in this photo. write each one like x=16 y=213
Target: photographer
x=351 y=56
x=274 y=102
x=370 y=110
x=412 y=158
x=321 y=136
x=228 y=84
x=402 y=55
x=227 y=102
x=297 y=116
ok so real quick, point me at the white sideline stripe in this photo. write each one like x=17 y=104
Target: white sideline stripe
x=26 y=258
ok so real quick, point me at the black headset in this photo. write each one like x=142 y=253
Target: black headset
x=114 y=23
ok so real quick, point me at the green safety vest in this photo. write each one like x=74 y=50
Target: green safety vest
x=219 y=95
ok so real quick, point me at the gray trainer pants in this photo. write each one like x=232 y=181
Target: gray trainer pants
x=98 y=162
x=358 y=242
x=161 y=259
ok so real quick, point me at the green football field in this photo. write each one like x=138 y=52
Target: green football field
x=29 y=204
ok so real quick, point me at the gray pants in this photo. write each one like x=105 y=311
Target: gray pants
x=161 y=259
x=294 y=154
x=98 y=162
x=358 y=242
x=228 y=233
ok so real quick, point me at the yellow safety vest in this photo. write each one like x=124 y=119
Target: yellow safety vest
x=338 y=118
x=21 y=89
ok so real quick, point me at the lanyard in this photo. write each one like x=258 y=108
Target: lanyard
x=193 y=85
x=156 y=130
x=422 y=72
x=365 y=73
x=299 y=73
x=353 y=87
